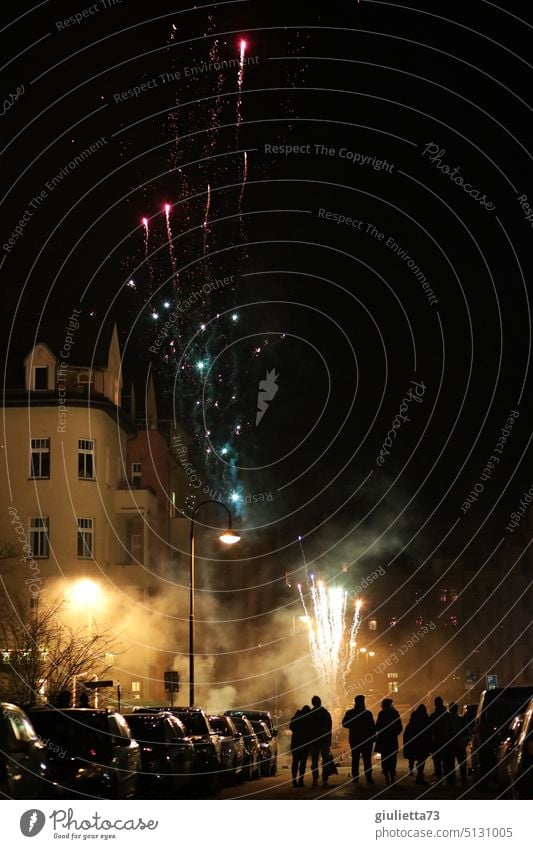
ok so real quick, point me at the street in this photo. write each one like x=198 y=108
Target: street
x=341 y=786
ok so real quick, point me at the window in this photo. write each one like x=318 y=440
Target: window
x=372 y=624
x=392 y=682
x=453 y=620
x=453 y=595
x=85 y=378
x=40 y=378
x=419 y=621
x=444 y=595
x=40 y=458
x=39 y=536
x=136 y=475
x=136 y=687
x=86 y=459
x=393 y=621
x=85 y=538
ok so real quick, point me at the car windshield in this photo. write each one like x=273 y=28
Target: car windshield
x=218 y=725
x=146 y=728
x=501 y=711
x=81 y=735
x=194 y=723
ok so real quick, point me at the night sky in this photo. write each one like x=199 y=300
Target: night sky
x=378 y=242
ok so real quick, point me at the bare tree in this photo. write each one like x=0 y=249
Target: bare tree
x=37 y=647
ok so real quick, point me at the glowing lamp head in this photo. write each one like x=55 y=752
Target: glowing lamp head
x=229 y=537
x=167 y=208
x=243 y=45
x=235 y=497
x=145 y=222
x=85 y=593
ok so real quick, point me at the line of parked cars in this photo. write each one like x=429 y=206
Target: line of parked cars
x=152 y=751
x=501 y=745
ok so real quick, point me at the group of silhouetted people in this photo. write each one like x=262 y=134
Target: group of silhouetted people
x=311 y=735
x=443 y=734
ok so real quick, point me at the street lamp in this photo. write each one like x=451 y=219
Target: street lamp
x=85 y=593
x=229 y=537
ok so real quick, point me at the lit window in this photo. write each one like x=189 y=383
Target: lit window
x=40 y=458
x=85 y=539
x=453 y=620
x=136 y=475
x=40 y=378
x=392 y=682
x=135 y=686
x=85 y=378
x=39 y=536
x=444 y=595
x=453 y=595
x=372 y=624
x=86 y=459
x=420 y=621
x=393 y=621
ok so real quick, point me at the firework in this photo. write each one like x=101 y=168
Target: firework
x=240 y=80
x=171 y=245
x=206 y=216
x=146 y=226
x=332 y=641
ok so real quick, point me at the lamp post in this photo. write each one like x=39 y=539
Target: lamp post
x=229 y=537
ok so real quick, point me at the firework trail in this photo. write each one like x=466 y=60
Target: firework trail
x=332 y=642
x=171 y=247
x=244 y=177
x=240 y=80
x=147 y=260
x=206 y=216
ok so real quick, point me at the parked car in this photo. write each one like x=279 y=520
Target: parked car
x=504 y=755
x=232 y=747
x=90 y=752
x=496 y=710
x=167 y=752
x=251 y=745
x=266 y=748
x=521 y=760
x=24 y=770
x=207 y=747
x=266 y=717
x=256 y=716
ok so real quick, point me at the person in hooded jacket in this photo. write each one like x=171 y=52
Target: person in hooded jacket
x=440 y=735
x=300 y=744
x=417 y=740
x=361 y=732
x=388 y=729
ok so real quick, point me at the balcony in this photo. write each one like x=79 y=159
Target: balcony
x=129 y=500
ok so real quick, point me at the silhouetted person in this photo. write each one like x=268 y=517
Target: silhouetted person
x=320 y=725
x=388 y=729
x=440 y=733
x=64 y=699
x=407 y=750
x=456 y=745
x=417 y=741
x=361 y=730
x=83 y=701
x=300 y=744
